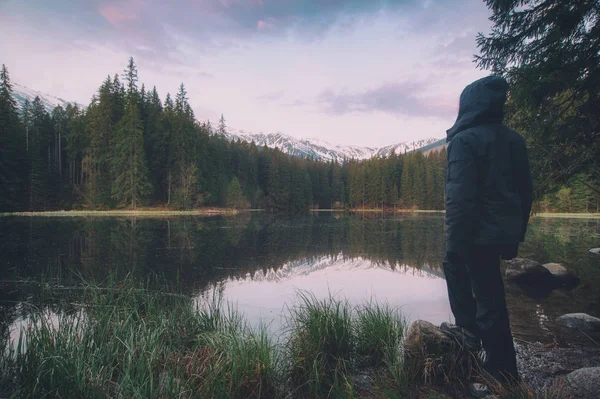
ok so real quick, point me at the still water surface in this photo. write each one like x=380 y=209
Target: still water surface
x=258 y=262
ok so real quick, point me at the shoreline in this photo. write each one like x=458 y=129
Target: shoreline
x=150 y=212
x=137 y=213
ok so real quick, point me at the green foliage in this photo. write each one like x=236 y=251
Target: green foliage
x=329 y=341
x=130 y=183
x=380 y=329
x=12 y=148
x=550 y=52
x=577 y=195
x=321 y=347
x=127 y=148
x=235 y=197
x=134 y=342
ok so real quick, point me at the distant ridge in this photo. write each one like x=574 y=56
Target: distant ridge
x=24 y=93
x=324 y=151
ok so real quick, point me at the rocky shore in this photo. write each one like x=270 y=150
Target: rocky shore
x=568 y=367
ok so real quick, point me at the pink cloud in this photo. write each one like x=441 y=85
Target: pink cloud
x=116 y=16
x=261 y=25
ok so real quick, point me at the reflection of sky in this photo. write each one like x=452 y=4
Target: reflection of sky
x=19 y=329
x=263 y=297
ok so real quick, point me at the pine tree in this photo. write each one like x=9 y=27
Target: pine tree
x=103 y=115
x=156 y=144
x=76 y=142
x=407 y=182
x=130 y=176
x=222 y=127
x=41 y=177
x=550 y=53
x=12 y=147
x=235 y=197
x=181 y=146
x=188 y=186
x=337 y=186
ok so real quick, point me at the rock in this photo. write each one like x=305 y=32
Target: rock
x=527 y=270
x=580 y=321
x=423 y=335
x=595 y=251
x=434 y=358
x=585 y=382
x=557 y=269
x=363 y=381
x=562 y=276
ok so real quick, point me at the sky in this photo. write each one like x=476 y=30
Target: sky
x=353 y=72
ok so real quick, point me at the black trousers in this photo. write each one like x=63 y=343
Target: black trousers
x=477 y=299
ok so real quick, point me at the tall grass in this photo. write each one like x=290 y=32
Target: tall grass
x=330 y=341
x=124 y=340
x=321 y=347
x=129 y=342
x=380 y=329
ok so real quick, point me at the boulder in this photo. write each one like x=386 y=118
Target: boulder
x=580 y=321
x=424 y=336
x=562 y=276
x=434 y=358
x=584 y=383
x=595 y=251
x=557 y=270
x=527 y=270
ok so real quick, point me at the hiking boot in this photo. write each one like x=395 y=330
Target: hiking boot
x=480 y=391
x=462 y=336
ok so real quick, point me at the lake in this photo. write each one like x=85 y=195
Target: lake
x=259 y=262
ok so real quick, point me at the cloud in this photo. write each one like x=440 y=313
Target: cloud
x=206 y=75
x=277 y=95
x=296 y=103
x=116 y=16
x=130 y=24
x=397 y=98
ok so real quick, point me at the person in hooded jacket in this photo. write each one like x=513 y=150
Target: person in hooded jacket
x=488 y=202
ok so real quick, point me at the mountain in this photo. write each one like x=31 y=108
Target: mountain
x=50 y=102
x=322 y=150
x=305 y=148
x=306 y=266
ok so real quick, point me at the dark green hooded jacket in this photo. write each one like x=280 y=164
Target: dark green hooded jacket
x=488 y=182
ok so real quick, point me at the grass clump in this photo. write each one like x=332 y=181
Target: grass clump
x=126 y=341
x=321 y=347
x=330 y=342
x=379 y=332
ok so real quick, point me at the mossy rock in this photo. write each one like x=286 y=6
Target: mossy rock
x=431 y=357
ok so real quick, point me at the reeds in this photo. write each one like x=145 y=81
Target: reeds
x=125 y=340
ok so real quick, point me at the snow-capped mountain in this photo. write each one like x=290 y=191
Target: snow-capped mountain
x=305 y=148
x=322 y=150
x=307 y=266
x=23 y=93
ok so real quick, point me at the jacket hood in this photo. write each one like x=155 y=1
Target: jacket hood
x=481 y=102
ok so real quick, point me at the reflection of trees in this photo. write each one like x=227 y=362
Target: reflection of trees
x=565 y=241
x=194 y=251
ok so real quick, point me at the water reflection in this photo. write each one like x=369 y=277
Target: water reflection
x=262 y=297
x=259 y=260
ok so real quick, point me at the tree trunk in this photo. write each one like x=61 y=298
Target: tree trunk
x=59 y=154
x=169 y=188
